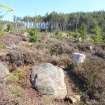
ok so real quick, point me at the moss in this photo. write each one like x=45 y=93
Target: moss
x=16 y=76
x=15 y=90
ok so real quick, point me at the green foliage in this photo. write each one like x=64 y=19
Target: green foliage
x=59 y=35
x=97 y=31
x=16 y=76
x=33 y=35
x=83 y=31
x=2 y=46
x=9 y=27
x=74 y=22
x=83 y=23
x=103 y=37
x=1 y=29
x=6 y=7
x=73 y=34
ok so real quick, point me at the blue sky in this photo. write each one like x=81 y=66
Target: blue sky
x=41 y=7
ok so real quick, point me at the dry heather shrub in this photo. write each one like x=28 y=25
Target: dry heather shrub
x=85 y=47
x=58 y=47
x=100 y=53
x=24 y=56
x=11 y=39
x=92 y=72
x=62 y=61
x=101 y=46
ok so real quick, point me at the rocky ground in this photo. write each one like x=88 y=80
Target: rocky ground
x=84 y=80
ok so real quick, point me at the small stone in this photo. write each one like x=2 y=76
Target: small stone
x=75 y=98
x=79 y=58
x=3 y=71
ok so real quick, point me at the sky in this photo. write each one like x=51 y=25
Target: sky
x=41 y=7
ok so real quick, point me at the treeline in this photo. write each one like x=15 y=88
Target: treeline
x=79 y=25
x=71 y=22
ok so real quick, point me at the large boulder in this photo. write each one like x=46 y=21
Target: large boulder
x=79 y=58
x=3 y=71
x=49 y=80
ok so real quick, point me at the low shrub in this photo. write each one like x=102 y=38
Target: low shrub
x=59 y=35
x=97 y=38
x=1 y=33
x=16 y=76
x=15 y=90
x=9 y=27
x=73 y=34
x=2 y=46
x=92 y=73
x=59 y=48
x=33 y=35
x=1 y=30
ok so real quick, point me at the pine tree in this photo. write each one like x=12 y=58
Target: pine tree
x=83 y=31
x=97 y=31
